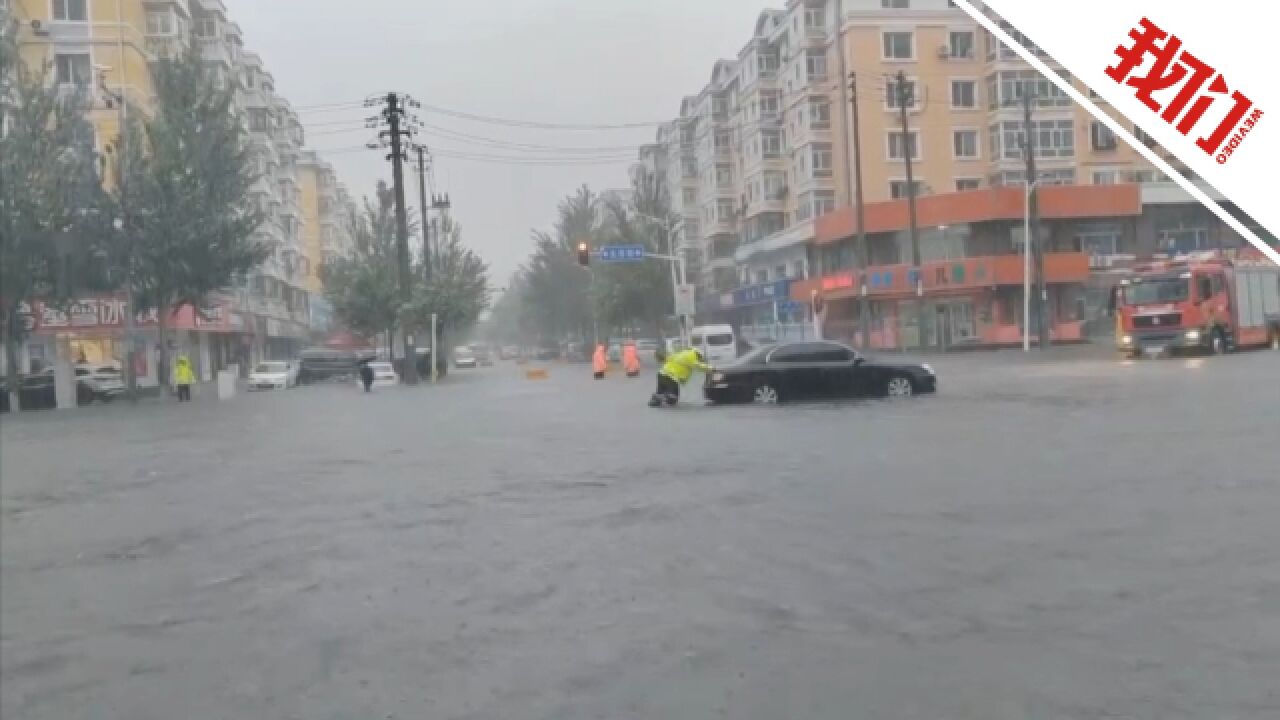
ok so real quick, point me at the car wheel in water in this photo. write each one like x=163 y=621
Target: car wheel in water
x=765 y=394
x=899 y=386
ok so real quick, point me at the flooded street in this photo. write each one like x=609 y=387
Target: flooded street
x=1041 y=540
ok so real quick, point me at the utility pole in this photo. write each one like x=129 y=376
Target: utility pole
x=907 y=95
x=1033 y=219
x=422 y=205
x=393 y=115
x=859 y=212
x=121 y=224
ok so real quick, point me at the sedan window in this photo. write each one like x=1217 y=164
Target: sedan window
x=830 y=352
x=797 y=353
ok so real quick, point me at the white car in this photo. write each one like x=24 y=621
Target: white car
x=384 y=375
x=463 y=357
x=273 y=375
x=98 y=382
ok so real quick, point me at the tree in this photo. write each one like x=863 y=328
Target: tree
x=637 y=295
x=556 y=299
x=364 y=288
x=190 y=223
x=458 y=291
x=50 y=193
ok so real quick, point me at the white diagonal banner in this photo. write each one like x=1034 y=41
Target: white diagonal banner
x=1188 y=77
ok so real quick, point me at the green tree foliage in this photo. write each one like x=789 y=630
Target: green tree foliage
x=458 y=291
x=364 y=288
x=50 y=193
x=637 y=295
x=184 y=193
x=555 y=297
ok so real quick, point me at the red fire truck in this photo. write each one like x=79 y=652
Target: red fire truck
x=1217 y=302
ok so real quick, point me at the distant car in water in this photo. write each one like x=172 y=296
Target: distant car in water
x=483 y=357
x=319 y=364
x=463 y=357
x=95 y=381
x=814 y=371
x=508 y=352
x=384 y=374
x=273 y=375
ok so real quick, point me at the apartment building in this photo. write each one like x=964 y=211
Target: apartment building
x=965 y=112
x=108 y=46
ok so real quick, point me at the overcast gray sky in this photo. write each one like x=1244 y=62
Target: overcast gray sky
x=556 y=61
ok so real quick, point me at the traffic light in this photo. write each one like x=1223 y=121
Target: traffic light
x=584 y=254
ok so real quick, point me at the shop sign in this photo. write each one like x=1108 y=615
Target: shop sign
x=764 y=293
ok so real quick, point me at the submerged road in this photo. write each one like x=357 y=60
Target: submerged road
x=1063 y=538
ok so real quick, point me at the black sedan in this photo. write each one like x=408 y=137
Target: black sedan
x=814 y=371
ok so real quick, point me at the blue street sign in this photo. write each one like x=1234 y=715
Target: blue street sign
x=621 y=253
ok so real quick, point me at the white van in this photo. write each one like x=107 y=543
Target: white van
x=718 y=343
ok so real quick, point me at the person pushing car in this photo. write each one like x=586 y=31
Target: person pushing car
x=676 y=371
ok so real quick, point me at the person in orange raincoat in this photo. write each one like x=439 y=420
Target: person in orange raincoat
x=599 y=362
x=630 y=359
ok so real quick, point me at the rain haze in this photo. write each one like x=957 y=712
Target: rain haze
x=545 y=61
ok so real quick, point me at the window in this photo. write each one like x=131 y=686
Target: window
x=1051 y=138
x=725 y=209
x=961 y=44
x=70 y=10
x=815 y=19
x=819 y=113
x=1098 y=238
x=965 y=184
x=689 y=167
x=964 y=94
x=832 y=353
x=724 y=175
x=1101 y=137
x=159 y=23
x=965 y=143
x=768 y=64
x=895 y=4
x=797 y=271
x=824 y=201
x=898 y=188
x=901 y=147
x=72 y=69
x=895 y=92
x=775 y=184
x=899 y=45
x=798 y=353
x=250 y=79
x=722 y=141
x=1013 y=84
x=768 y=104
x=259 y=120
x=816 y=65
x=779 y=272
x=822 y=160
x=1104 y=177
x=207 y=27
x=771 y=143
x=690 y=196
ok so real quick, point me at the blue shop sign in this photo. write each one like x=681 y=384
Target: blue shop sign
x=760 y=294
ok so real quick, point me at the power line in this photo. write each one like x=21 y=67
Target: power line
x=532 y=147
x=541 y=125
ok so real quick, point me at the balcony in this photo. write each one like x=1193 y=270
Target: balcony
x=217 y=50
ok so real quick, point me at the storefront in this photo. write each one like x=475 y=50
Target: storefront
x=965 y=303
x=92 y=330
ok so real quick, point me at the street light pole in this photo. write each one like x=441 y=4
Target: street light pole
x=1026 y=268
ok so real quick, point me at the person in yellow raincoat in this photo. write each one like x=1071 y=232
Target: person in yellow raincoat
x=677 y=370
x=183 y=377
x=599 y=362
x=630 y=359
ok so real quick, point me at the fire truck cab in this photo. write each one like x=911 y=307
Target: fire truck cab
x=1216 y=302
